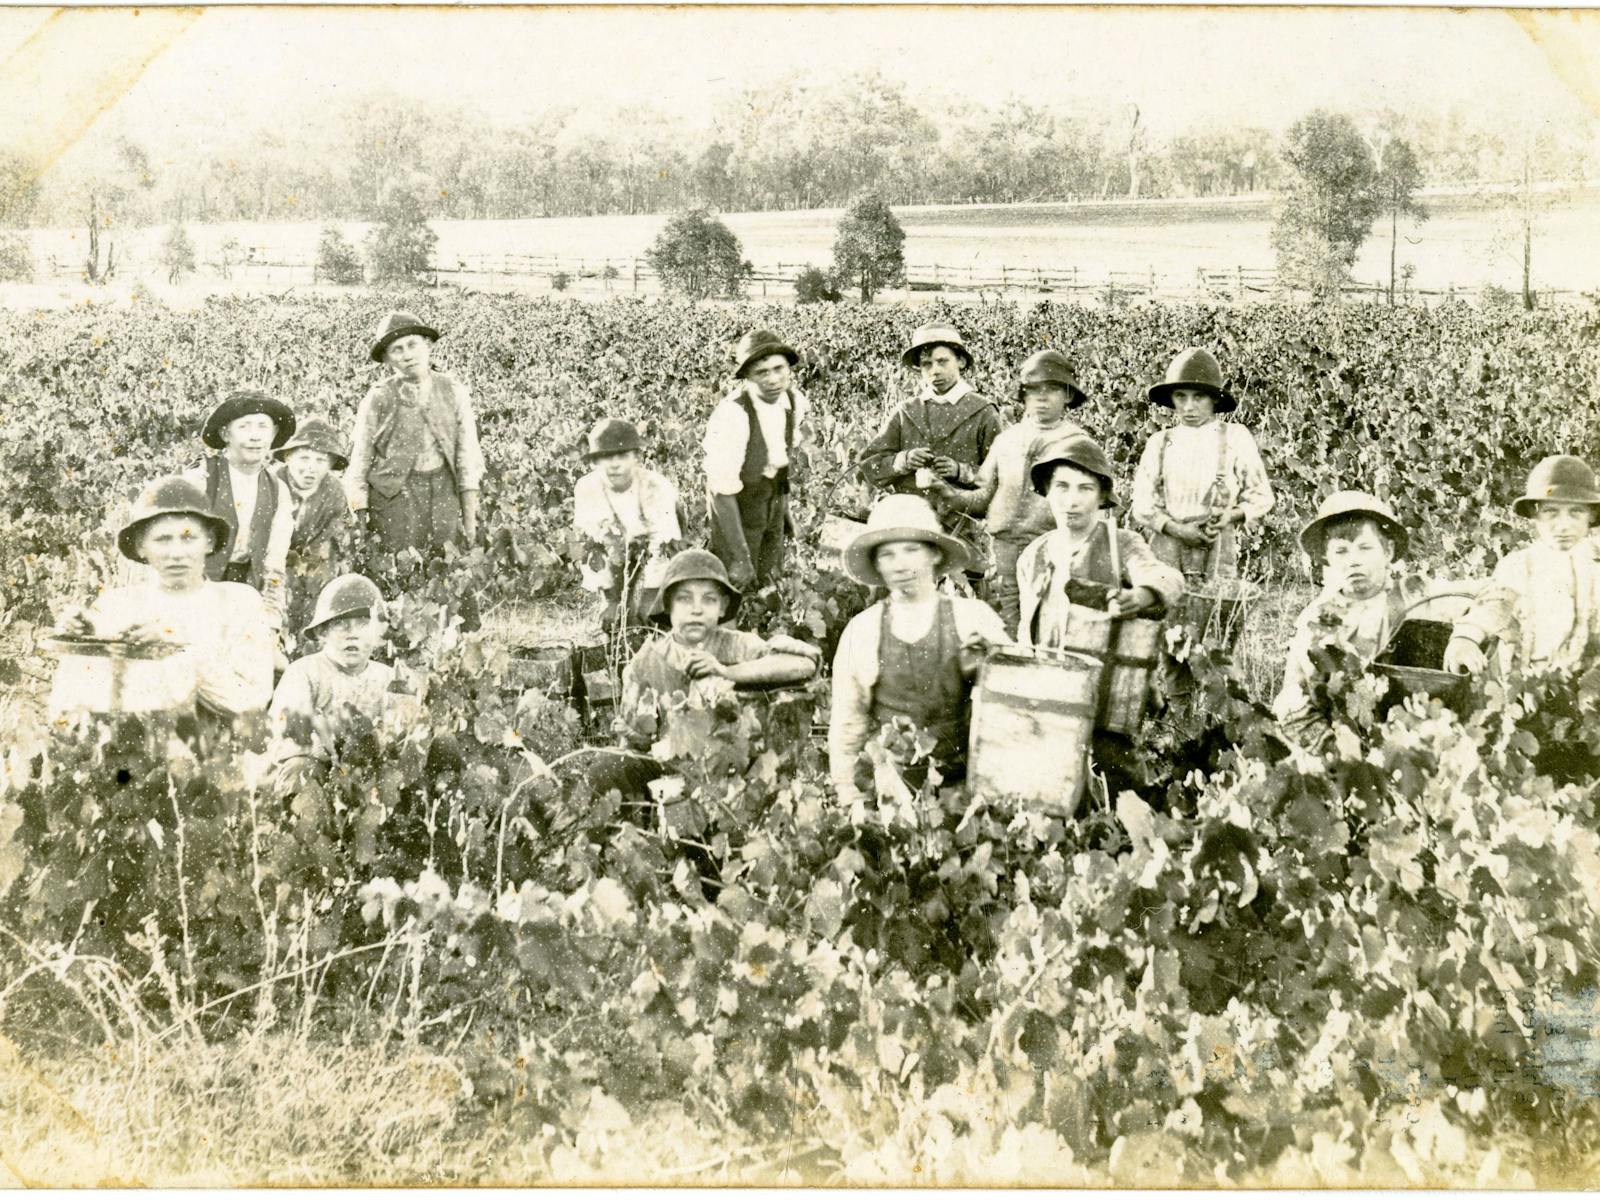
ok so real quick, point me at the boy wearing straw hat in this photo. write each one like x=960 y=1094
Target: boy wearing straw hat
x=1201 y=478
x=632 y=514
x=1543 y=601
x=239 y=486
x=1353 y=540
x=1074 y=477
x=750 y=446
x=415 y=462
x=321 y=512
x=912 y=654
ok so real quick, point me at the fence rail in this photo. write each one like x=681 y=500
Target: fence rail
x=275 y=266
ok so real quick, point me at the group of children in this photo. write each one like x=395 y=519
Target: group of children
x=257 y=542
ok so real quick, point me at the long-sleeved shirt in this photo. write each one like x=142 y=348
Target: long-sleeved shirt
x=450 y=433
x=648 y=509
x=728 y=434
x=1055 y=558
x=246 y=487
x=960 y=424
x=310 y=705
x=1003 y=489
x=1544 y=606
x=1184 y=474
x=224 y=659
x=661 y=666
x=855 y=675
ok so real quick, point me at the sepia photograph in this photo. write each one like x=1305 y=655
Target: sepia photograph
x=800 y=595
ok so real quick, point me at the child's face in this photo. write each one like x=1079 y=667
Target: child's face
x=695 y=608
x=941 y=367
x=771 y=375
x=1562 y=523
x=619 y=469
x=409 y=355
x=306 y=469
x=175 y=546
x=1358 y=561
x=1045 y=403
x=350 y=641
x=903 y=564
x=1194 y=406
x=1074 y=497
x=247 y=439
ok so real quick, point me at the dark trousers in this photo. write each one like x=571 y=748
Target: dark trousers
x=424 y=516
x=763 y=511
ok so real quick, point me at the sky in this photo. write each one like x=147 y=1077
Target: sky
x=168 y=73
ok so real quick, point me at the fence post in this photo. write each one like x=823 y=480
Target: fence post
x=1238 y=290
x=636 y=274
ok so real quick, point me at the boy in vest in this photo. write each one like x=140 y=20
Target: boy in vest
x=1354 y=539
x=1015 y=513
x=632 y=514
x=415 y=461
x=1543 y=601
x=325 y=697
x=240 y=488
x=749 y=442
x=321 y=514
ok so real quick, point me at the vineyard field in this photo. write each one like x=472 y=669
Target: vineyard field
x=1377 y=965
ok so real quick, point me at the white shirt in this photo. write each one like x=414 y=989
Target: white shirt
x=728 y=434
x=957 y=390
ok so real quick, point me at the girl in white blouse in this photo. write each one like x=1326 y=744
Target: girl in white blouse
x=1201 y=478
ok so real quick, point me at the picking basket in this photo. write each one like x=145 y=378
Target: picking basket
x=1031 y=726
x=1413 y=659
x=1215 y=609
x=107 y=675
x=548 y=667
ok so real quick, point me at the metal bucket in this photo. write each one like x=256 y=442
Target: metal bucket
x=103 y=675
x=1032 y=722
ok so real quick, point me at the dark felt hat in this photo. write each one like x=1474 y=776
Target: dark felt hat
x=1077 y=451
x=1052 y=366
x=398 y=324
x=243 y=403
x=693 y=564
x=759 y=344
x=1194 y=368
x=1562 y=477
x=346 y=596
x=169 y=496
x=611 y=435
x=316 y=434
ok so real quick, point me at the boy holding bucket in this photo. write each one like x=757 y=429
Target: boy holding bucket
x=912 y=654
x=1200 y=479
x=1015 y=514
x=1543 y=601
x=633 y=514
x=1353 y=540
x=321 y=512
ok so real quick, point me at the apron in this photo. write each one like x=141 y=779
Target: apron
x=922 y=680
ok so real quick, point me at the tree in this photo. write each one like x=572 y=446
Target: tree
x=812 y=286
x=400 y=247
x=1399 y=176
x=869 y=252
x=19 y=189
x=337 y=260
x=1330 y=203
x=697 y=255
x=177 y=253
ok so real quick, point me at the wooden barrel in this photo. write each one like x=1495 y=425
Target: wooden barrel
x=105 y=675
x=1032 y=721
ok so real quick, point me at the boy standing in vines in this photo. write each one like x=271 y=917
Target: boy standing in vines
x=632 y=514
x=321 y=513
x=1200 y=479
x=1354 y=539
x=415 y=462
x=1543 y=602
x=241 y=489
x=749 y=451
x=1003 y=489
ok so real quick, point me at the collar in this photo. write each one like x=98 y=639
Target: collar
x=928 y=396
x=754 y=393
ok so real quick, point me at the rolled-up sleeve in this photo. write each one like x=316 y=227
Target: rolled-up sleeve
x=469 y=453
x=1255 y=489
x=849 y=722
x=727 y=435
x=1146 y=570
x=355 y=476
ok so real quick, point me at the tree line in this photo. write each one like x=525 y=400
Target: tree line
x=794 y=144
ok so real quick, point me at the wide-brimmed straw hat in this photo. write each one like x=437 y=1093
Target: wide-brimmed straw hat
x=1193 y=368
x=346 y=596
x=244 y=403
x=759 y=344
x=687 y=565
x=611 y=435
x=901 y=517
x=316 y=434
x=1349 y=504
x=398 y=324
x=1561 y=477
x=936 y=335
x=1078 y=451
x=169 y=496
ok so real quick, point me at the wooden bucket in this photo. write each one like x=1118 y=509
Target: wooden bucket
x=1413 y=662
x=105 y=675
x=547 y=667
x=1129 y=648
x=1032 y=721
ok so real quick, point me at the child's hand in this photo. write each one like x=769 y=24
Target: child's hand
x=1190 y=533
x=1463 y=656
x=1133 y=599
x=702 y=664
x=920 y=457
x=945 y=467
x=75 y=622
